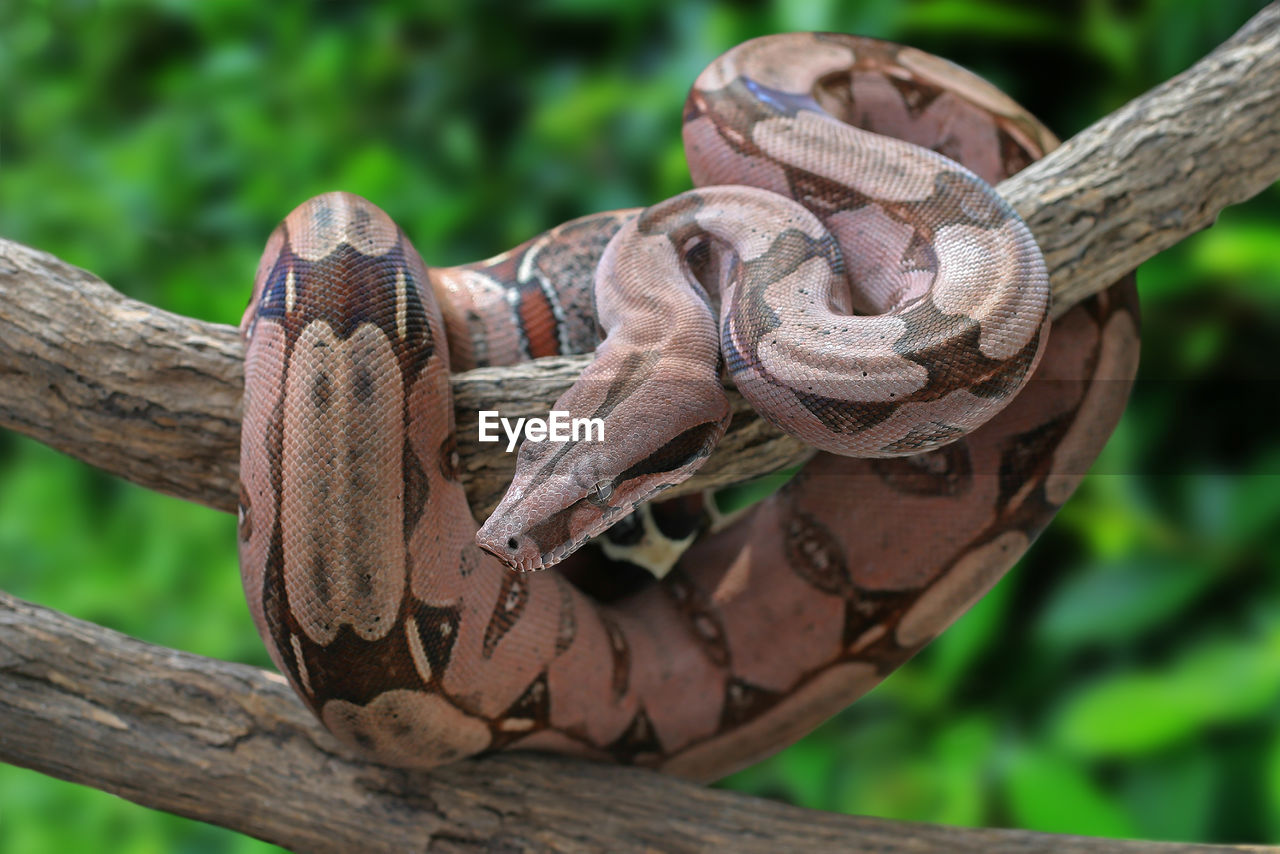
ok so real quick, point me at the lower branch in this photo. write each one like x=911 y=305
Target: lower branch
x=230 y=744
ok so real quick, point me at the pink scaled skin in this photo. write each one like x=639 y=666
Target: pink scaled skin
x=951 y=293
x=878 y=301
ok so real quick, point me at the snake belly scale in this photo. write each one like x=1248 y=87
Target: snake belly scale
x=861 y=288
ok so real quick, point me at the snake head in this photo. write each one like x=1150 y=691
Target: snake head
x=565 y=493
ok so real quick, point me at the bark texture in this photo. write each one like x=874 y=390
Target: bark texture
x=230 y=744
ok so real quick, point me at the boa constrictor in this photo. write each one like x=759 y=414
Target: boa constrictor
x=873 y=297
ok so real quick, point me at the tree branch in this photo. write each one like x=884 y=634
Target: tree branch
x=154 y=397
x=230 y=744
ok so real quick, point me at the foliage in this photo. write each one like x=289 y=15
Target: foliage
x=1125 y=680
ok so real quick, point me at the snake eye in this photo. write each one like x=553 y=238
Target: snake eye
x=600 y=492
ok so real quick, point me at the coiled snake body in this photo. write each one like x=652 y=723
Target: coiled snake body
x=865 y=293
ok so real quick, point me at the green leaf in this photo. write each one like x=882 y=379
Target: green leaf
x=1116 y=602
x=731 y=499
x=1048 y=792
x=1190 y=779
x=1140 y=711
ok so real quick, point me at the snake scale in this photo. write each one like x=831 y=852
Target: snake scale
x=861 y=288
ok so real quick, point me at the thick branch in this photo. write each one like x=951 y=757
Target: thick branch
x=229 y=744
x=1160 y=168
x=154 y=397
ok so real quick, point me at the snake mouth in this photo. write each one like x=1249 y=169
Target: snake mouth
x=536 y=563
x=520 y=550
x=513 y=550
x=521 y=553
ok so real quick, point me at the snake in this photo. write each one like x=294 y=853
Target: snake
x=843 y=260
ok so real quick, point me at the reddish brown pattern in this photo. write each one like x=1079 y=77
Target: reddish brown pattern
x=411 y=643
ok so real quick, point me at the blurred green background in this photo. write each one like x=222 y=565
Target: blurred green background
x=1123 y=681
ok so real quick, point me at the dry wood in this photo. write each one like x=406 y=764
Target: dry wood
x=154 y=398
x=230 y=744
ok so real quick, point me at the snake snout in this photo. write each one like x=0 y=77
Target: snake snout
x=518 y=551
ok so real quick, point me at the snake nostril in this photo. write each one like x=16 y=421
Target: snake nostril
x=513 y=543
